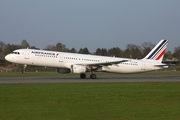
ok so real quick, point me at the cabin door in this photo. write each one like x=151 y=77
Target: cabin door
x=61 y=58
x=27 y=54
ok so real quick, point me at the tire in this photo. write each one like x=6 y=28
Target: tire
x=82 y=76
x=93 y=76
x=23 y=72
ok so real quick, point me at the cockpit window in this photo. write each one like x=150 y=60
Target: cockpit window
x=15 y=53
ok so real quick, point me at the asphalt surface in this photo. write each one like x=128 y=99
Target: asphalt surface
x=76 y=79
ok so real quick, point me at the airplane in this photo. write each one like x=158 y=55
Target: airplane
x=81 y=63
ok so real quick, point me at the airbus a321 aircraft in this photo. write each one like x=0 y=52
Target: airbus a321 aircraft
x=81 y=63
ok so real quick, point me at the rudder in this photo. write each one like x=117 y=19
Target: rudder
x=157 y=53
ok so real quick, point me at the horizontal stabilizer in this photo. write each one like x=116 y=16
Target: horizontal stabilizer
x=163 y=65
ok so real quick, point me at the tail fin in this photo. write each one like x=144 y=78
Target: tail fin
x=157 y=53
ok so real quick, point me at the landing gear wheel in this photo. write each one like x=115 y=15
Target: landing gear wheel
x=24 y=72
x=24 y=69
x=93 y=76
x=82 y=76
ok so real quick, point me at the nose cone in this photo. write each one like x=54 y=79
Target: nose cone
x=8 y=58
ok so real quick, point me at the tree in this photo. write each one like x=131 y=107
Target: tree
x=73 y=50
x=34 y=47
x=101 y=51
x=24 y=44
x=10 y=47
x=146 y=48
x=168 y=55
x=7 y=49
x=80 y=50
x=104 y=52
x=61 y=47
x=127 y=53
x=50 y=47
x=115 y=51
x=176 y=53
x=58 y=47
x=2 y=44
x=98 y=51
x=133 y=51
x=84 y=51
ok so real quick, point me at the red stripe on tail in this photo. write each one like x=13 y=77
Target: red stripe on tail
x=161 y=54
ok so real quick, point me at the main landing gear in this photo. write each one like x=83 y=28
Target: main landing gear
x=92 y=76
x=82 y=76
x=24 y=69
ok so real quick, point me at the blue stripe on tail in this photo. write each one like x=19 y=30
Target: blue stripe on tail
x=159 y=48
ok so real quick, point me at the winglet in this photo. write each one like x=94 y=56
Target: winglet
x=157 y=53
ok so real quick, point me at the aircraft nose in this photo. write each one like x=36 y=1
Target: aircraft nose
x=11 y=58
x=7 y=57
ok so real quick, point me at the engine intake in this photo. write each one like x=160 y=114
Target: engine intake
x=78 y=69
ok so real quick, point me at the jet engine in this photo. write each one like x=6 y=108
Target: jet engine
x=63 y=70
x=78 y=69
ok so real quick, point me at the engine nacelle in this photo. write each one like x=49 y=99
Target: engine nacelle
x=78 y=69
x=63 y=70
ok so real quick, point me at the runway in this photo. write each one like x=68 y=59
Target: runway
x=76 y=79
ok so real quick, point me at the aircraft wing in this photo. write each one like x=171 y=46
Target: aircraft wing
x=104 y=63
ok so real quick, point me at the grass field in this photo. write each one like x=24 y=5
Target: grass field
x=91 y=101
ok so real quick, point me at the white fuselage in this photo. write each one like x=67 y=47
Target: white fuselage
x=65 y=60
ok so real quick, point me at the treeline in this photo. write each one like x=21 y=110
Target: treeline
x=131 y=51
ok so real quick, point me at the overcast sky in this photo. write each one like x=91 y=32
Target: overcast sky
x=90 y=23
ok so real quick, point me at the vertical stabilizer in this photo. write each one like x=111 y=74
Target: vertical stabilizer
x=157 y=53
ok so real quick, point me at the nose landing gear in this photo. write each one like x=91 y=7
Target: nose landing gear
x=24 y=69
